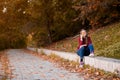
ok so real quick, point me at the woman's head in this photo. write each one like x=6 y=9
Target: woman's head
x=83 y=32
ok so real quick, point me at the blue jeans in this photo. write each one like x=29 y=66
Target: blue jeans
x=85 y=51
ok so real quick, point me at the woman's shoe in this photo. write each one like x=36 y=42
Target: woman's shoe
x=81 y=64
x=91 y=54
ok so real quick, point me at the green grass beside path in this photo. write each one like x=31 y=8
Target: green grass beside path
x=106 y=42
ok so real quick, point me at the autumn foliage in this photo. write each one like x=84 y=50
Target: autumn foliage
x=99 y=12
x=52 y=20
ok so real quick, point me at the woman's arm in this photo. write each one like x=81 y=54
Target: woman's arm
x=80 y=43
x=89 y=40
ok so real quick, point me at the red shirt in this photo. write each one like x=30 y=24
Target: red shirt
x=82 y=42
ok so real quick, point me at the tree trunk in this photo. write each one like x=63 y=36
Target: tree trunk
x=48 y=29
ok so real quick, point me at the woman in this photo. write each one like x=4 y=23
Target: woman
x=85 y=47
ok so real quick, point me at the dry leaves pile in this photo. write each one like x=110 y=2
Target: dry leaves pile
x=87 y=72
x=6 y=72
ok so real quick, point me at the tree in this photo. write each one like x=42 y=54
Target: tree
x=57 y=17
x=12 y=18
x=98 y=12
x=64 y=24
x=53 y=20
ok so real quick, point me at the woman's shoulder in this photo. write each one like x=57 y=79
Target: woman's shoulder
x=89 y=37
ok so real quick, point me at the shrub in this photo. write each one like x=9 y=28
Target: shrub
x=12 y=41
x=4 y=42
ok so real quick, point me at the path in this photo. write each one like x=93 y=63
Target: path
x=103 y=63
x=28 y=67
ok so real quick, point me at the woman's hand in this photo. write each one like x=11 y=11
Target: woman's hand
x=83 y=45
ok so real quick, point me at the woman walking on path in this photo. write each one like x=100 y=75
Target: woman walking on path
x=85 y=47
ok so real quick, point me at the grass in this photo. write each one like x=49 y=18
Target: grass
x=106 y=41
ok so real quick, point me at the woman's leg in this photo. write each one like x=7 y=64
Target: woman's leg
x=87 y=51
x=81 y=52
x=91 y=49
